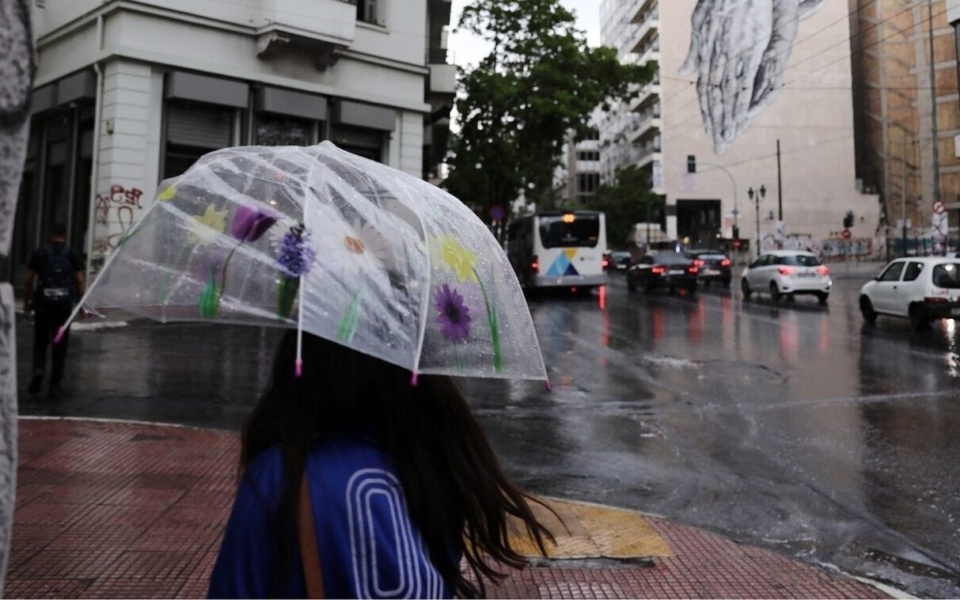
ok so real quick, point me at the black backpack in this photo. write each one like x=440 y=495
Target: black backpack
x=56 y=278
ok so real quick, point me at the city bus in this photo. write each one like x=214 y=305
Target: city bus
x=559 y=249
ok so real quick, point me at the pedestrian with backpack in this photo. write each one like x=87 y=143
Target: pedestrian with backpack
x=57 y=271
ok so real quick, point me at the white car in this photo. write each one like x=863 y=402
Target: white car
x=787 y=273
x=921 y=288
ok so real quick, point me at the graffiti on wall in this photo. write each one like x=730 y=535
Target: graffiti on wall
x=832 y=248
x=116 y=212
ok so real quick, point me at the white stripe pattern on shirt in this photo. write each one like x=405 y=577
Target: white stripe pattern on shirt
x=365 y=489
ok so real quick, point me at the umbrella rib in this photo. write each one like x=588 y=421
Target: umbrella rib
x=76 y=309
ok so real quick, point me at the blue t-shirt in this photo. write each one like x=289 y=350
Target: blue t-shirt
x=369 y=547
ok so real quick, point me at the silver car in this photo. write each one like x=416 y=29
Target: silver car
x=787 y=273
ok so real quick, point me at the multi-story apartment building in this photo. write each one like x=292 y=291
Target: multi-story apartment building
x=131 y=92
x=755 y=109
x=904 y=101
x=579 y=176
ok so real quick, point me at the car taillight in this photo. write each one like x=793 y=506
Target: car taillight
x=824 y=270
x=935 y=300
x=605 y=263
x=725 y=263
x=658 y=270
x=786 y=270
x=699 y=263
x=535 y=265
x=693 y=269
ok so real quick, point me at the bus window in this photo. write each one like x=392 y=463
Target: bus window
x=562 y=231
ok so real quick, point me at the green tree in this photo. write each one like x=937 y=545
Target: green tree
x=629 y=200
x=539 y=81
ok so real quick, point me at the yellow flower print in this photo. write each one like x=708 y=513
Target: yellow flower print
x=458 y=258
x=167 y=193
x=206 y=226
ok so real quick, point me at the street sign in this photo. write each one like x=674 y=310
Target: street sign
x=496 y=213
x=939 y=208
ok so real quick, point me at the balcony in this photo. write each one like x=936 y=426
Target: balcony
x=638 y=12
x=650 y=54
x=324 y=27
x=646 y=127
x=649 y=95
x=646 y=34
x=443 y=79
x=646 y=152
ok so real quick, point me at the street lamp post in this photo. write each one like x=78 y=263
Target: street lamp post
x=736 y=211
x=756 y=196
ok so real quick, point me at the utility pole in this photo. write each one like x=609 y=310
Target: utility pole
x=757 y=197
x=779 y=186
x=903 y=195
x=933 y=110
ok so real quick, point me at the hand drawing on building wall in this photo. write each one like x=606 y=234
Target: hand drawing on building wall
x=739 y=51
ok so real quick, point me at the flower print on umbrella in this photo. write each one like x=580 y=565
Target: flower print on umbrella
x=454 y=315
x=248 y=225
x=295 y=256
x=167 y=194
x=201 y=230
x=206 y=227
x=448 y=251
x=372 y=240
x=462 y=261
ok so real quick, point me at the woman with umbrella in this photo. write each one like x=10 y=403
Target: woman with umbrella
x=363 y=471
x=400 y=482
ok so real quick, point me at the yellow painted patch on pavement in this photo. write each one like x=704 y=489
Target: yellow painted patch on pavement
x=591 y=531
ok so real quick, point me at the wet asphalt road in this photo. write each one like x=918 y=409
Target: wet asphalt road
x=793 y=426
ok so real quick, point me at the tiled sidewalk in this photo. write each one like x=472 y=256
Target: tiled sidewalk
x=130 y=510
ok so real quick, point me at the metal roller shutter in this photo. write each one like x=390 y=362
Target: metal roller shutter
x=199 y=126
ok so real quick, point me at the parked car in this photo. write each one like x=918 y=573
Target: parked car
x=787 y=273
x=666 y=270
x=619 y=260
x=921 y=289
x=713 y=265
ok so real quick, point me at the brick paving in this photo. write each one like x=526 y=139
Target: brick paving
x=135 y=510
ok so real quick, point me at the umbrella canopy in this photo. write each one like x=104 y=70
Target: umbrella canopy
x=341 y=246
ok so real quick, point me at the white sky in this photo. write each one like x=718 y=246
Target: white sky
x=467 y=49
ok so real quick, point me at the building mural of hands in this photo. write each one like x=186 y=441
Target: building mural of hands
x=739 y=50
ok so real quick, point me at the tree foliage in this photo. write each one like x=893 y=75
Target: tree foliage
x=539 y=81
x=630 y=200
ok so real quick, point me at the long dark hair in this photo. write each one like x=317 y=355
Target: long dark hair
x=450 y=476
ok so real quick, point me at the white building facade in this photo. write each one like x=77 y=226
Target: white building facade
x=129 y=93
x=783 y=123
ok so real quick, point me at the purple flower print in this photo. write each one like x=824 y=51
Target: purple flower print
x=454 y=317
x=295 y=254
x=249 y=224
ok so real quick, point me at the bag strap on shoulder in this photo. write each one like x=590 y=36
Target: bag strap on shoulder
x=307 y=534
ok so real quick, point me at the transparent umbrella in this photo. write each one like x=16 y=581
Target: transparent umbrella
x=334 y=244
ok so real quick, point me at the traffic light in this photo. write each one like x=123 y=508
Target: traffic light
x=691 y=163
x=736 y=232
x=848 y=220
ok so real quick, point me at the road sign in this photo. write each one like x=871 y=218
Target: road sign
x=939 y=208
x=496 y=213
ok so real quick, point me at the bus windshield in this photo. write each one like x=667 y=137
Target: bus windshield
x=582 y=231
